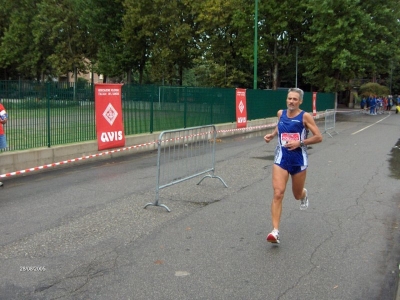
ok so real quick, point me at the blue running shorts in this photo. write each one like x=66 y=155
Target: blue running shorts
x=3 y=141
x=293 y=169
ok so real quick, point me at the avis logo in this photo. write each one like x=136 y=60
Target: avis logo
x=110 y=114
x=111 y=136
x=241 y=107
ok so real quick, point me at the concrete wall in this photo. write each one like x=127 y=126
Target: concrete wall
x=18 y=161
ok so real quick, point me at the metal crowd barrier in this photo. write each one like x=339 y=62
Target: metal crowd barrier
x=330 y=122
x=184 y=154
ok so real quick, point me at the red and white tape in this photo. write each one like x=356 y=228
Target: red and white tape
x=73 y=160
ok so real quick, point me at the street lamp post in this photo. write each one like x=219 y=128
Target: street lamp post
x=391 y=76
x=297 y=53
x=255 y=43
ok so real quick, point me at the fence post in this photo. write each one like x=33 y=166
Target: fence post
x=185 y=110
x=212 y=111
x=48 y=114
x=152 y=113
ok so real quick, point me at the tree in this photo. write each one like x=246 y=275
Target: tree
x=139 y=32
x=58 y=23
x=20 y=52
x=225 y=33
x=106 y=50
x=6 y=8
x=212 y=41
x=176 y=42
x=282 y=27
x=373 y=89
x=383 y=40
x=347 y=39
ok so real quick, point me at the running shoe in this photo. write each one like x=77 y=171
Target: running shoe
x=273 y=237
x=304 y=202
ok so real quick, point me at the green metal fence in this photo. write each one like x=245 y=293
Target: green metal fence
x=48 y=114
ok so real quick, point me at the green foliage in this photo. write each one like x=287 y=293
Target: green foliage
x=103 y=20
x=17 y=49
x=349 y=39
x=283 y=25
x=225 y=42
x=373 y=89
x=208 y=43
x=59 y=25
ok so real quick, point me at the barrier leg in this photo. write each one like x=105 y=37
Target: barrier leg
x=156 y=204
x=213 y=176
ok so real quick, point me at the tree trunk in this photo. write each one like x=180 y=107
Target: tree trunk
x=275 y=70
x=180 y=75
x=129 y=76
x=75 y=81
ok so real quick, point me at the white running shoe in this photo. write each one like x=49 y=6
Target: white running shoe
x=304 y=202
x=273 y=237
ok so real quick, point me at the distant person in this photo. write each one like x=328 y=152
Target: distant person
x=379 y=105
x=385 y=103
x=389 y=103
x=3 y=120
x=372 y=106
x=363 y=103
x=291 y=155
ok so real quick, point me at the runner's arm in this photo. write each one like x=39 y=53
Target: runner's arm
x=309 y=123
x=268 y=137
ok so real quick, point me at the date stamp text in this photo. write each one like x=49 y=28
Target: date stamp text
x=32 y=269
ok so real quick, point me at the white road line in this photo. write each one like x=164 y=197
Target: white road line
x=370 y=125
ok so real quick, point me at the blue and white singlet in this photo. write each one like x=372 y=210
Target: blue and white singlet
x=291 y=129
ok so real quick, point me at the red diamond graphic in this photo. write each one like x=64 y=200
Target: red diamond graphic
x=110 y=114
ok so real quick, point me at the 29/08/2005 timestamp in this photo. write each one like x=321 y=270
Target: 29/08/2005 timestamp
x=31 y=269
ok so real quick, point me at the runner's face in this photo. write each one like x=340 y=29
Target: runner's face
x=293 y=101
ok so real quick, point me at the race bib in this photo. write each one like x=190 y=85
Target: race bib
x=286 y=137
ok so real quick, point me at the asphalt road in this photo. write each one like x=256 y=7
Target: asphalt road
x=81 y=232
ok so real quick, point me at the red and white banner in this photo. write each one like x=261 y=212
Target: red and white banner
x=241 y=108
x=109 y=122
x=314 y=103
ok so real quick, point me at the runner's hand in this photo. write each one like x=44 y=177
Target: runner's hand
x=268 y=137
x=291 y=145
